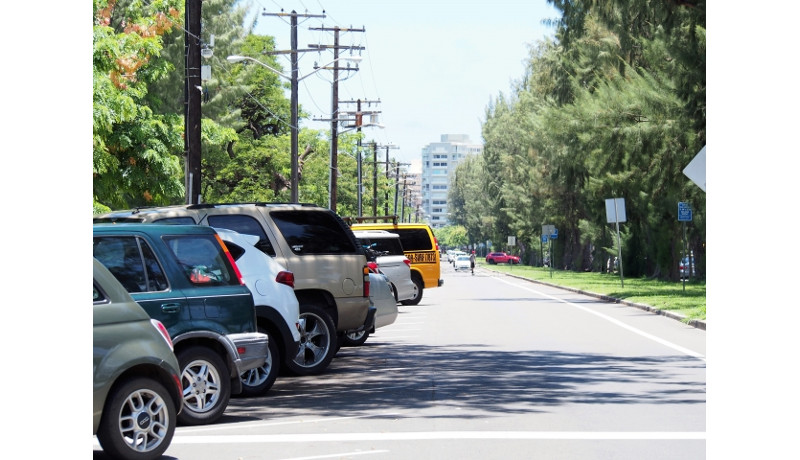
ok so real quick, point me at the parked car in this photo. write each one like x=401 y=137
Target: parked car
x=330 y=269
x=382 y=299
x=501 y=258
x=277 y=308
x=462 y=263
x=385 y=250
x=136 y=376
x=184 y=276
x=421 y=248
x=684 y=268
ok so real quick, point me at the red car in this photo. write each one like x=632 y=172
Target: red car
x=501 y=258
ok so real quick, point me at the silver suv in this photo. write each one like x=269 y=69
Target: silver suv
x=330 y=269
x=391 y=260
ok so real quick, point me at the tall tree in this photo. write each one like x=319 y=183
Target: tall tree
x=136 y=153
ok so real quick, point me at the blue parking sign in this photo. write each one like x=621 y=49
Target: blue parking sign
x=684 y=212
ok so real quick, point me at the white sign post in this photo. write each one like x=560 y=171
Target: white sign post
x=615 y=213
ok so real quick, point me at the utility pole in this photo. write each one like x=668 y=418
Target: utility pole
x=397 y=183
x=334 y=161
x=295 y=195
x=375 y=179
x=386 y=193
x=192 y=100
x=358 y=123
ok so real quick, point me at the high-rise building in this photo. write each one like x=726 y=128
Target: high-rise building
x=439 y=162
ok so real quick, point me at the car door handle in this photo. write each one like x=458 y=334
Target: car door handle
x=170 y=307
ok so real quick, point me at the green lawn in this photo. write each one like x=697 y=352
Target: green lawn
x=670 y=296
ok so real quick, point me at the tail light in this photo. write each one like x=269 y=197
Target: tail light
x=286 y=278
x=164 y=333
x=230 y=259
x=373 y=267
x=406 y=261
x=366 y=280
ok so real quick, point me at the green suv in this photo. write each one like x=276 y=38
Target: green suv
x=184 y=276
x=331 y=277
x=136 y=378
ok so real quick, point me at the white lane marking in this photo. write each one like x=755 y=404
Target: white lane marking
x=237 y=426
x=614 y=321
x=440 y=435
x=339 y=455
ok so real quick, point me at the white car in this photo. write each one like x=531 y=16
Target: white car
x=462 y=262
x=390 y=260
x=382 y=297
x=277 y=308
x=452 y=256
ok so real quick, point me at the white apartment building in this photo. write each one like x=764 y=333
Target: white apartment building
x=439 y=162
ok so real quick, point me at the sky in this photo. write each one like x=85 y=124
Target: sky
x=435 y=66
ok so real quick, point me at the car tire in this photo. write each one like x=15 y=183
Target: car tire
x=138 y=420
x=258 y=381
x=318 y=342
x=418 y=293
x=206 y=385
x=355 y=339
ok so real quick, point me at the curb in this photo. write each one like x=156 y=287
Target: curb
x=696 y=323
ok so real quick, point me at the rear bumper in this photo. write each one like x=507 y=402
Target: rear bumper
x=369 y=323
x=251 y=350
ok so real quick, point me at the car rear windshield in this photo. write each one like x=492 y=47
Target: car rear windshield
x=314 y=232
x=244 y=224
x=383 y=246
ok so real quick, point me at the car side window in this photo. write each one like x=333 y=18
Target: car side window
x=313 y=232
x=131 y=261
x=99 y=295
x=415 y=239
x=156 y=280
x=244 y=224
x=176 y=220
x=120 y=255
x=202 y=259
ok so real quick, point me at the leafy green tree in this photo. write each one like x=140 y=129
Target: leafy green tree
x=614 y=107
x=136 y=153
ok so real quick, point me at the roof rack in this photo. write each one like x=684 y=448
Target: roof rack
x=254 y=203
x=362 y=219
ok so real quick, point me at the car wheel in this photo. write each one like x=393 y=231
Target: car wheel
x=317 y=342
x=206 y=386
x=417 y=292
x=138 y=420
x=258 y=381
x=355 y=339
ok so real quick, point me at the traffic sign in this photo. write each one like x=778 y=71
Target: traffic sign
x=684 y=212
x=554 y=235
x=696 y=169
x=544 y=238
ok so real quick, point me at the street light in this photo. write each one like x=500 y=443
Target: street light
x=295 y=79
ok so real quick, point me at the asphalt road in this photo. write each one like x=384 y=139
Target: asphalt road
x=487 y=367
